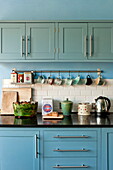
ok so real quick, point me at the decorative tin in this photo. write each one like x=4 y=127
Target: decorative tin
x=14 y=77
x=20 y=77
x=27 y=77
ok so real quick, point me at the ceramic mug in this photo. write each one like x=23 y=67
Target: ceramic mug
x=88 y=80
x=76 y=80
x=58 y=81
x=50 y=80
x=100 y=81
x=68 y=81
x=41 y=79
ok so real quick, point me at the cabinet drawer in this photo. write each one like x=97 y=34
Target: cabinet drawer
x=72 y=135
x=66 y=149
x=70 y=163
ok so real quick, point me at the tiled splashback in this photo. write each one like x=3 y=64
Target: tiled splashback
x=77 y=93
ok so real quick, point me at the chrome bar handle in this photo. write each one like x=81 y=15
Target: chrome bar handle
x=27 y=39
x=85 y=45
x=36 y=146
x=91 y=45
x=66 y=150
x=82 y=166
x=22 y=40
x=58 y=136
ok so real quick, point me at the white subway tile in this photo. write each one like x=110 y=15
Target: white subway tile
x=75 y=92
x=42 y=93
x=80 y=99
x=86 y=92
x=108 y=92
x=63 y=92
x=53 y=92
x=97 y=92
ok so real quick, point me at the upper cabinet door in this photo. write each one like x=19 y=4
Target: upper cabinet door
x=73 y=41
x=12 y=41
x=40 y=41
x=100 y=41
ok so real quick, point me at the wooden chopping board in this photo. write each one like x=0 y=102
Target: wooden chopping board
x=8 y=97
x=24 y=94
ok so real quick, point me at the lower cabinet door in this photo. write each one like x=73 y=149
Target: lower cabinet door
x=70 y=163
x=107 y=149
x=18 y=150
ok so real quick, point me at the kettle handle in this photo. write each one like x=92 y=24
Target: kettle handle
x=109 y=103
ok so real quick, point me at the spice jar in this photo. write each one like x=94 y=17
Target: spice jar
x=20 y=77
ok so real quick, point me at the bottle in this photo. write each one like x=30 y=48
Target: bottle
x=14 y=76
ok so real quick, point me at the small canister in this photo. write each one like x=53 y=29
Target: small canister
x=84 y=108
x=20 y=77
x=13 y=77
x=27 y=77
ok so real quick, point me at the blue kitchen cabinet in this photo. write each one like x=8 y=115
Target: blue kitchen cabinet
x=21 y=41
x=72 y=41
x=40 y=41
x=100 y=41
x=12 y=39
x=107 y=149
x=19 y=149
x=74 y=148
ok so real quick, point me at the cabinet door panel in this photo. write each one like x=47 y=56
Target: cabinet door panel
x=107 y=149
x=18 y=151
x=72 y=41
x=41 y=37
x=11 y=46
x=101 y=42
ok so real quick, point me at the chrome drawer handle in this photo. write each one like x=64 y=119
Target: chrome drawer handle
x=83 y=136
x=58 y=166
x=37 y=146
x=74 y=150
x=22 y=40
x=85 y=45
x=91 y=38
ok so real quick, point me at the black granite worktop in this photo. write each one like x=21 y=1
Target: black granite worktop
x=68 y=121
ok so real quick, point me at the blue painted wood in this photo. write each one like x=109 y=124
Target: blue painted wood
x=102 y=41
x=107 y=149
x=41 y=41
x=10 y=41
x=50 y=162
x=50 y=9
x=50 y=147
x=72 y=44
x=91 y=135
x=17 y=150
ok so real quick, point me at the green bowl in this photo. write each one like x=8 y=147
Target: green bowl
x=26 y=110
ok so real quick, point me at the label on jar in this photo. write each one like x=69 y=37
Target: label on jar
x=13 y=77
x=20 y=78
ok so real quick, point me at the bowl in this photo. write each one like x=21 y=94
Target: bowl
x=25 y=109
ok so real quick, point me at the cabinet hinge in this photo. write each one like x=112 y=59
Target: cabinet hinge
x=58 y=29
x=58 y=50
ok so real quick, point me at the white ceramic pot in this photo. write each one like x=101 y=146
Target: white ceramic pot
x=84 y=108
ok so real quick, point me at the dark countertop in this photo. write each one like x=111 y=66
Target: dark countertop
x=69 y=121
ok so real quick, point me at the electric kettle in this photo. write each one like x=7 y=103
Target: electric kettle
x=103 y=105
